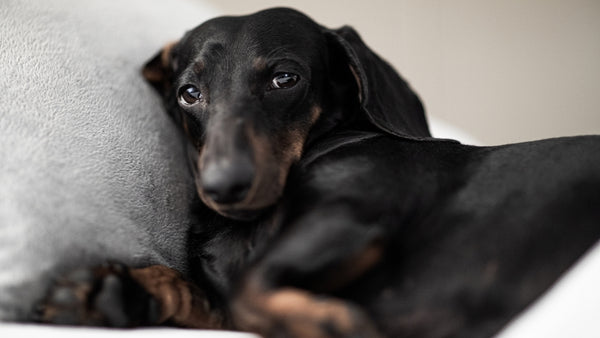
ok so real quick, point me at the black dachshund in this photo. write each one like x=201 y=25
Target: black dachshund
x=338 y=214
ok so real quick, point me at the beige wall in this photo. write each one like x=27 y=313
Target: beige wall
x=504 y=70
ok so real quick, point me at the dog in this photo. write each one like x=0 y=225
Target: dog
x=327 y=208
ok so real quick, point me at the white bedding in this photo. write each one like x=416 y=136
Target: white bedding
x=46 y=331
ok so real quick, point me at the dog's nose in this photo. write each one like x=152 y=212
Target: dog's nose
x=227 y=184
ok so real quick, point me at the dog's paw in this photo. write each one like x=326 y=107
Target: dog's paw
x=297 y=313
x=103 y=296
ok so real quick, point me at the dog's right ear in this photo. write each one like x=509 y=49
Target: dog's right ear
x=159 y=70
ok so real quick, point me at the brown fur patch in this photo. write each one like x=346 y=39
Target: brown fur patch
x=152 y=75
x=158 y=70
x=199 y=67
x=294 y=146
x=303 y=306
x=364 y=260
x=297 y=313
x=315 y=113
x=295 y=138
x=165 y=55
x=267 y=185
x=353 y=267
x=181 y=302
x=259 y=64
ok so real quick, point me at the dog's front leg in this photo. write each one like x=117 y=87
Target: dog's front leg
x=118 y=296
x=286 y=292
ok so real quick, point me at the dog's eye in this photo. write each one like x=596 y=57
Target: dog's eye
x=189 y=95
x=284 y=80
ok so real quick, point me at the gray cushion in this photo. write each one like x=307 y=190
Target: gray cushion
x=91 y=168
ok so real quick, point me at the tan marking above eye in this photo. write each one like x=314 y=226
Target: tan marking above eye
x=259 y=64
x=199 y=67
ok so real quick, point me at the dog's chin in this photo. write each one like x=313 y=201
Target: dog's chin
x=248 y=210
x=240 y=215
x=233 y=211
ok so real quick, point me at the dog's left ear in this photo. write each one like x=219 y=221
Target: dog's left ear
x=386 y=99
x=159 y=70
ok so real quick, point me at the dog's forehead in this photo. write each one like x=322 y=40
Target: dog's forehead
x=260 y=33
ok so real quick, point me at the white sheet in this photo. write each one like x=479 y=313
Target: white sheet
x=46 y=331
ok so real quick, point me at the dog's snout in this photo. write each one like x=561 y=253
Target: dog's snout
x=228 y=183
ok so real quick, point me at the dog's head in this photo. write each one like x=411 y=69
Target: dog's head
x=251 y=91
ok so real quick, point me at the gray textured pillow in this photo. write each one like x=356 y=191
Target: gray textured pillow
x=91 y=168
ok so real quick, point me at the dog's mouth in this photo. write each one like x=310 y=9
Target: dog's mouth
x=241 y=215
x=242 y=211
x=260 y=197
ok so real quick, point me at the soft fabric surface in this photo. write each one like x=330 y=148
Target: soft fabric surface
x=47 y=331
x=91 y=168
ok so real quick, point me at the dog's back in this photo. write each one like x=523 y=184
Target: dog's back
x=474 y=234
